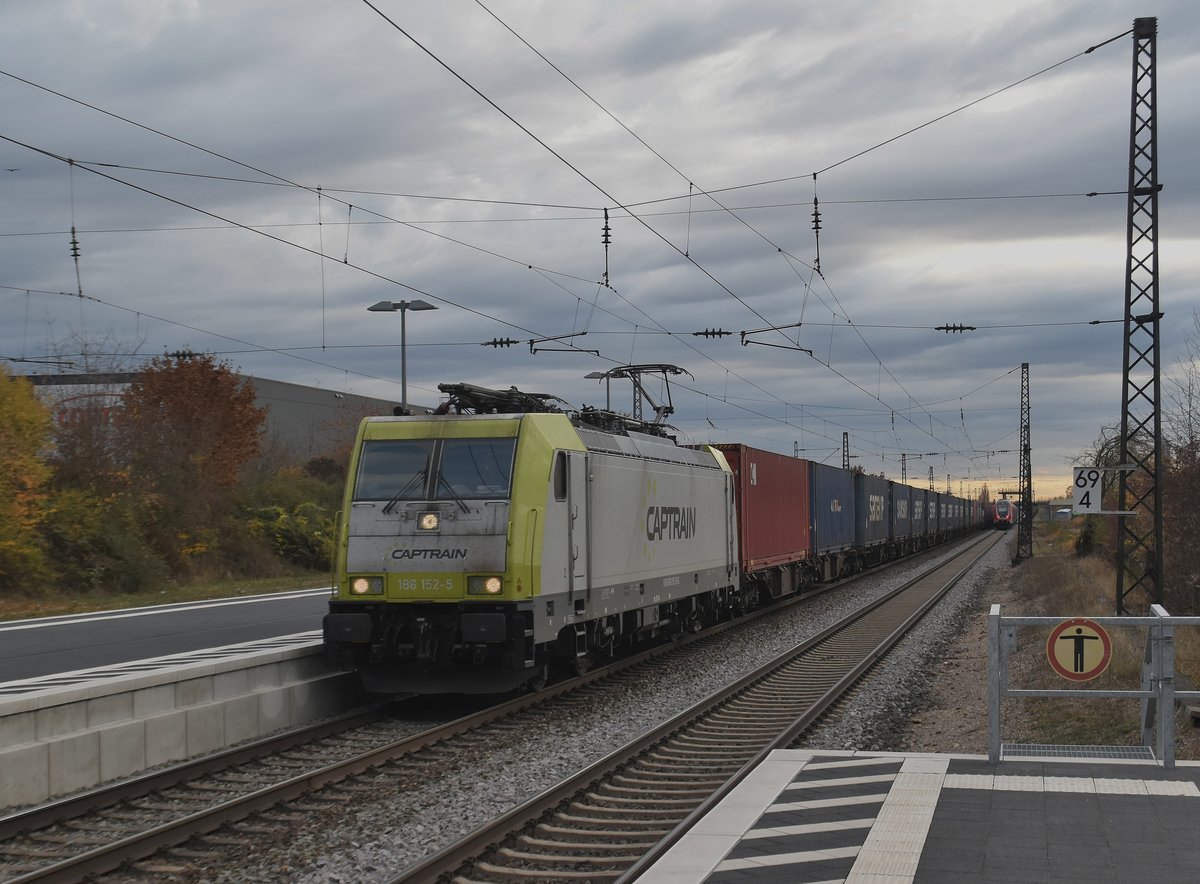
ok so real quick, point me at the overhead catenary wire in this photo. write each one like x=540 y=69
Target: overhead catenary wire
x=816 y=217
x=280 y=351
x=286 y=242
x=380 y=276
x=997 y=90
x=928 y=123
x=573 y=168
x=478 y=92
x=562 y=159
x=280 y=240
x=643 y=329
x=292 y=352
x=199 y=330
x=233 y=223
x=543 y=271
x=591 y=210
x=599 y=188
x=283 y=181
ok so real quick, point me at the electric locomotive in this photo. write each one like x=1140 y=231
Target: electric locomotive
x=476 y=549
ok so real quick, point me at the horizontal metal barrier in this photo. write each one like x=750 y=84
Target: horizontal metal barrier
x=1157 y=693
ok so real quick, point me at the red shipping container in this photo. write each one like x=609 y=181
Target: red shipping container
x=771 y=497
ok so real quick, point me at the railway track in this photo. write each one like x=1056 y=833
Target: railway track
x=615 y=818
x=122 y=825
x=257 y=791
x=247 y=789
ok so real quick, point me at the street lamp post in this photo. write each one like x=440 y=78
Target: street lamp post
x=403 y=307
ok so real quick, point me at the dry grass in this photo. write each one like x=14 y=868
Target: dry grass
x=1056 y=583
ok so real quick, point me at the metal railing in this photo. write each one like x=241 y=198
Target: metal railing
x=1157 y=693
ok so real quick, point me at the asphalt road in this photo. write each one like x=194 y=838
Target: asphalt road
x=54 y=645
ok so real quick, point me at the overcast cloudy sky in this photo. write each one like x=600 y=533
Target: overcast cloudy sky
x=458 y=166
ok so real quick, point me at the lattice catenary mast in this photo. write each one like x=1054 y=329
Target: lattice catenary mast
x=1139 y=536
x=1025 y=518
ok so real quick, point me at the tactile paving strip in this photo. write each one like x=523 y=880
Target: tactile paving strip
x=817 y=826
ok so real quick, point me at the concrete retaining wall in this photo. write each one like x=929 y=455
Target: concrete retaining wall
x=60 y=740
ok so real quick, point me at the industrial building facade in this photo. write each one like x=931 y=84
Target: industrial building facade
x=305 y=422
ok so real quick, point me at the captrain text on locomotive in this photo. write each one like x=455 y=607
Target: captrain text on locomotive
x=479 y=548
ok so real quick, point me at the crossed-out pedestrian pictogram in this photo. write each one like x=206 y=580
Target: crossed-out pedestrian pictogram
x=1079 y=649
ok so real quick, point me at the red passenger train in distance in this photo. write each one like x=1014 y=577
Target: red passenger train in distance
x=1004 y=513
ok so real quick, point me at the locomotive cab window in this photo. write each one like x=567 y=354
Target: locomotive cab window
x=393 y=469
x=429 y=469
x=475 y=469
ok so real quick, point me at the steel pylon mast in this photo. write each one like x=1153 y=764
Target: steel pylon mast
x=1139 y=535
x=1025 y=486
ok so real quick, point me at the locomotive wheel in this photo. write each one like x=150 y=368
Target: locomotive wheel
x=570 y=657
x=538 y=682
x=580 y=664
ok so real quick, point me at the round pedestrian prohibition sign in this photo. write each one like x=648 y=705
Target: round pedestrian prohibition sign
x=1079 y=649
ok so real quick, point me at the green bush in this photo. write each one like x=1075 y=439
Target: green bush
x=290 y=487
x=301 y=534
x=97 y=544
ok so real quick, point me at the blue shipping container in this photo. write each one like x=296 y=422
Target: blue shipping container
x=920 y=512
x=832 y=493
x=872 y=510
x=901 y=511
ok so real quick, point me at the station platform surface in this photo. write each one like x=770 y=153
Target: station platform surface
x=888 y=818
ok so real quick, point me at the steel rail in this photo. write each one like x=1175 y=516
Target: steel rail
x=805 y=721
x=55 y=811
x=43 y=815
x=122 y=850
x=447 y=864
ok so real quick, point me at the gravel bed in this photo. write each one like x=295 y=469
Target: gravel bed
x=375 y=837
x=877 y=717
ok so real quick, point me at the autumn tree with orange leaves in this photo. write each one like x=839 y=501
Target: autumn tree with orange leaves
x=187 y=428
x=24 y=435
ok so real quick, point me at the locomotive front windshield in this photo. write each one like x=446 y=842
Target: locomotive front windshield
x=429 y=469
x=475 y=468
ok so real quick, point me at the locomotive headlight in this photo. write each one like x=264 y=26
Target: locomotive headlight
x=429 y=521
x=484 y=585
x=366 y=586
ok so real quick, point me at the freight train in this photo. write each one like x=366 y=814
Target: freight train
x=484 y=547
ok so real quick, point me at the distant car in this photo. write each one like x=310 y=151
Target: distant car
x=1063 y=514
